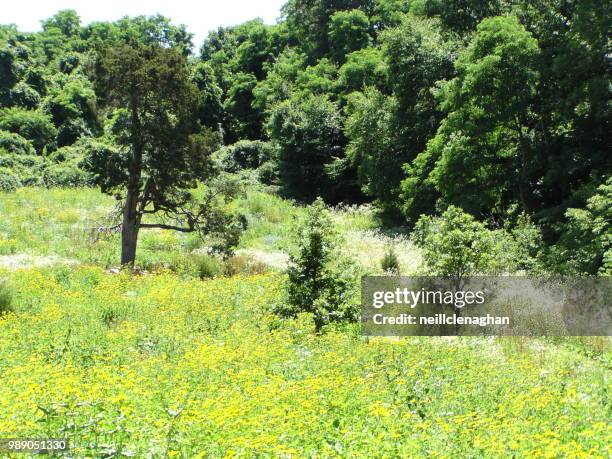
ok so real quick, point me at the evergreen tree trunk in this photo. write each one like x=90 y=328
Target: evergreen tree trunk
x=129 y=229
x=131 y=216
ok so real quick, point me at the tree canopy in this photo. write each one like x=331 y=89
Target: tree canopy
x=496 y=107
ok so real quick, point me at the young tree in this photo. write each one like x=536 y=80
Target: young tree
x=318 y=282
x=162 y=154
x=454 y=244
x=390 y=262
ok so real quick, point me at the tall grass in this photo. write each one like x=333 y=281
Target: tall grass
x=61 y=222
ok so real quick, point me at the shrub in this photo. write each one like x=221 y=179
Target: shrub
x=207 y=266
x=268 y=173
x=526 y=243
x=33 y=125
x=69 y=153
x=195 y=265
x=5 y=299
x=28 y=168
x=454 y=244
x=70 y=131
x=390 y=262
x=65 y=175
x=319 y=280
x=244 y=264
x=8 y=180
x=14 y=143
x=585 y=245
x=245 y=154
x=200 y=265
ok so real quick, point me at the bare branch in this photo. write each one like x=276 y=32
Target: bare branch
x=96 y=231
x=168 y=227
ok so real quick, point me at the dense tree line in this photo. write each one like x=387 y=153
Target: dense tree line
x=500 y=108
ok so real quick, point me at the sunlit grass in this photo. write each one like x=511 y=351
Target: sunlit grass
x=158 y=365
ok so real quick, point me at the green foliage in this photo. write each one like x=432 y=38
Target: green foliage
x=33 y=125
x=6 y=297
x=210 y=104
x=67 y=22
x=9 y=72
x=372 y=144
x=417 y=55
x=460 y=16
x=27 y=168
x=317 y=79
x=14 y=143
x=8 y=180
x=455 y=244
x=317 y=282
x=104 y=162
x=308 y=136
x=280 y=81
x=152 y=82
x=362 y=68
x=526 y=242
x=389 y=13
x=69 y=62
x=155 y=31
x=73 y=109
x=348 y=31
x=480 y=153
x=65 y=175
x=24 y=95
x=245 y=154
x=309 y=22
x=390 y=262
x=268 y=172
x=244 y=122
x=254 y=51
x=585 y=246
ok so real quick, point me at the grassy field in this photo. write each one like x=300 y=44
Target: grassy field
x=62 y=223
x=168 y=365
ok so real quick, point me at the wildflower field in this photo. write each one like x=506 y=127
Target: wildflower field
x=164 y=364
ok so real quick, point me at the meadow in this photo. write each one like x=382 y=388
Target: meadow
x=187 y=359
